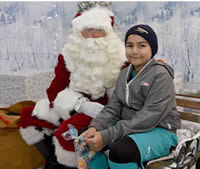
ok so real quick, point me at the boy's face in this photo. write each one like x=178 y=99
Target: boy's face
x=138 y=51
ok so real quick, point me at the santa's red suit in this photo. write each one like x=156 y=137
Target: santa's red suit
x=83 y=80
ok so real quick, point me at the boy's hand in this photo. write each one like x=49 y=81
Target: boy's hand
x=96 y=142
x=89 y=133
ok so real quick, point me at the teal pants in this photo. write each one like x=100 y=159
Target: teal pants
x=153 y=144
x=99 y=161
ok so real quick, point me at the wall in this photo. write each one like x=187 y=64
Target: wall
x=33 y=33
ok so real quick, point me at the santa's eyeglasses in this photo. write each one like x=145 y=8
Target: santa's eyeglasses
x=93 y=32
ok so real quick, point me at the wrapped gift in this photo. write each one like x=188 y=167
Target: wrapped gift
x=19 y=86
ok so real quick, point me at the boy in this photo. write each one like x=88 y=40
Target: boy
x=139 y=123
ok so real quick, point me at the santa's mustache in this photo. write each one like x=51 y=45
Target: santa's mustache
x=94 y=44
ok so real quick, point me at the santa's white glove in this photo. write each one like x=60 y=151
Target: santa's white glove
x=91 y=109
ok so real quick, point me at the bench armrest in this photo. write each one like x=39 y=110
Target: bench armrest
x=187 y=151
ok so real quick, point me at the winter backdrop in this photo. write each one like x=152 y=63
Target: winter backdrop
x=33 y=33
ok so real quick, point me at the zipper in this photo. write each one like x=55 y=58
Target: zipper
x=127 y=93
x=127 y=84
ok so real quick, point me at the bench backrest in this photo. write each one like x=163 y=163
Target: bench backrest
x=189 y=106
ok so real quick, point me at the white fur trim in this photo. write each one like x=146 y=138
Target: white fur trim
x=44 y=112
x=94 y=18
x=31 y=135
x=64 y=157
x=65 y=102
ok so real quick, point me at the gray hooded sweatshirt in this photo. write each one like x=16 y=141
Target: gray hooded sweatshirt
x=145 y=102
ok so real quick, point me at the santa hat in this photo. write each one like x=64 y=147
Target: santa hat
x=97 y=17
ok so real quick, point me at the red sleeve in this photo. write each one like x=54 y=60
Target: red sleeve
x=60 y=81
x=126 y=64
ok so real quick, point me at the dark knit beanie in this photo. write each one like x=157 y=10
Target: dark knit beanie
x=147 y=33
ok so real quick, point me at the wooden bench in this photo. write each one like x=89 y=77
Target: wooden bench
x=187 y=152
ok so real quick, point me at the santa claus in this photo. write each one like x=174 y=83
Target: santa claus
x=85 y=75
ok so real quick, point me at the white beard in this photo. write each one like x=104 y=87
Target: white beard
x=94 y=63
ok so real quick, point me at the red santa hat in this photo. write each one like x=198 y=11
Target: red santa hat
x=97 y=17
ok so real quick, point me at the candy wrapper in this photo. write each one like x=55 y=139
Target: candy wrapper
x=70 y=134
x=84 y=155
